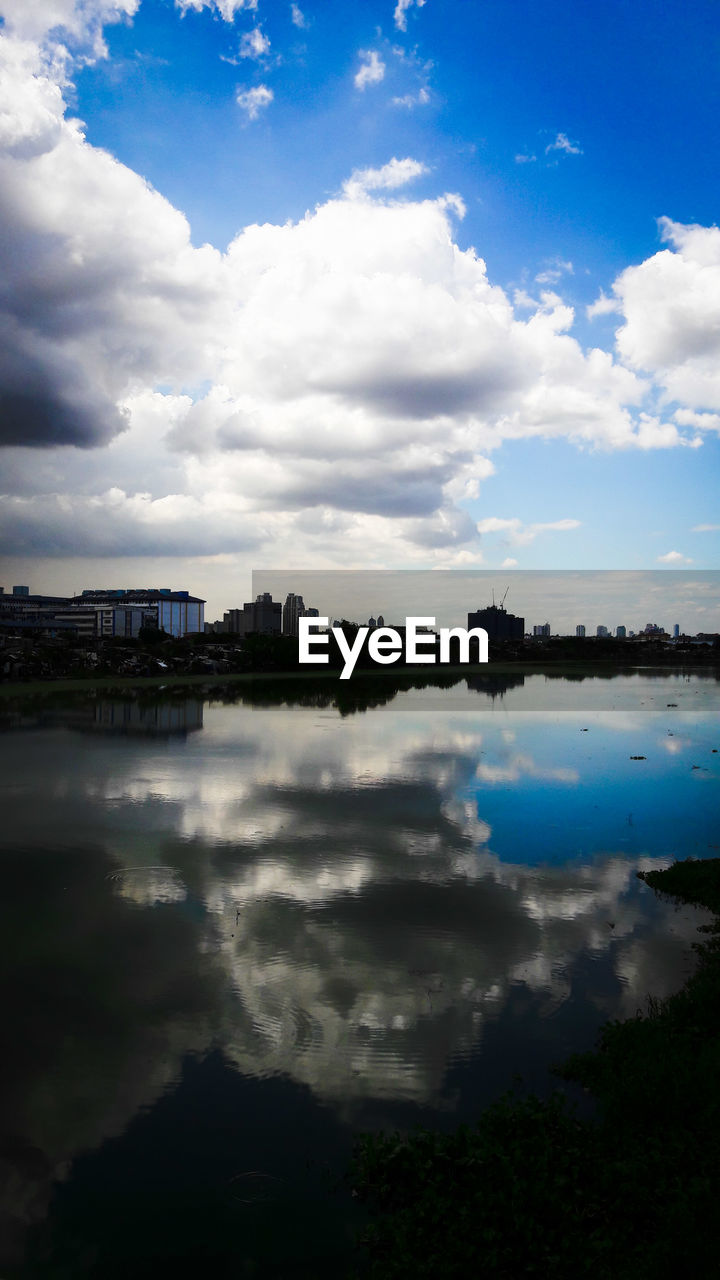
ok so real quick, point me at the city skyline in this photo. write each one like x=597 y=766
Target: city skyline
x=566 y=599
x=381 y=293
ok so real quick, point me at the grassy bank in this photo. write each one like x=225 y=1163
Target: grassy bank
x=531 y=1190
x=554 y=670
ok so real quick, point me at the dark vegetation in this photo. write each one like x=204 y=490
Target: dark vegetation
x=27 y=659
x=532 y=1190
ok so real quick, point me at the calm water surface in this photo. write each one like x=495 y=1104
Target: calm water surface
x=236 y=934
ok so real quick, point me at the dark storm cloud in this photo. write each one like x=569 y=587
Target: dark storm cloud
x=47 y=400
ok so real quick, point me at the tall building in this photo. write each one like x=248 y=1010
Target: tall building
x=580 y=630
x=620 y=633
x=676 y=630
x=542 y=630
x=292 y=609
x=498 y=624
x=264 y=615
x=603 y=632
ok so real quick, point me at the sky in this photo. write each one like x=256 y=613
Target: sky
x=418 y=284
x=632 y=598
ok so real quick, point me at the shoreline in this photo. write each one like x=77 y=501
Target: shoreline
x=105 y=684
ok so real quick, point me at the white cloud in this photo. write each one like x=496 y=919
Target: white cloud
x=702 y=421
x=298 y=17
x=563 y=144
x=410 y=100
x=401 y=9
x=372 y=70
x=705 y=528
x=522 y=534
x=508 y=563
x=79 y=21
x=358 y=366
x=228 y=9
x=254 y=44
x=396 y=173
x=522 y=158
x=554 y=271
x=603 y=306
x=674 y=557
x=254 y=100
x=670 y=305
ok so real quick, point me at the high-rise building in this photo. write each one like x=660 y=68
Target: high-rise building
x=292 y=609
x=580 y=630
x=676 y=630
x=602 y=632
x=620 y=633
x=498 y=624
x=542 y=630
x=263 y=615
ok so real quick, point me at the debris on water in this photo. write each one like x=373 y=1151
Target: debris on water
x=638 y=757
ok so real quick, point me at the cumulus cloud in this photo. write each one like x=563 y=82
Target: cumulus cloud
x=563 y=145
x=94 y=263
x=115 y=523
x=372 y=69
x=341 y=379
x=674 y=557
x=79 y=22
x=254 y=100
x=670 y=305
x=401 y=11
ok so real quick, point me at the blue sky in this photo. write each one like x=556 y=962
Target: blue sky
x=422 y=285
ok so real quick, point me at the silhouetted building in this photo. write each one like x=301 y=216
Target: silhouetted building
x=499 y=624
x=580 y=631
x=602 y=632
x=293 y=608
x=264 y=615
x=542 y=630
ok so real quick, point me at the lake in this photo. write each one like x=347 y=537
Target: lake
x=239 y=932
